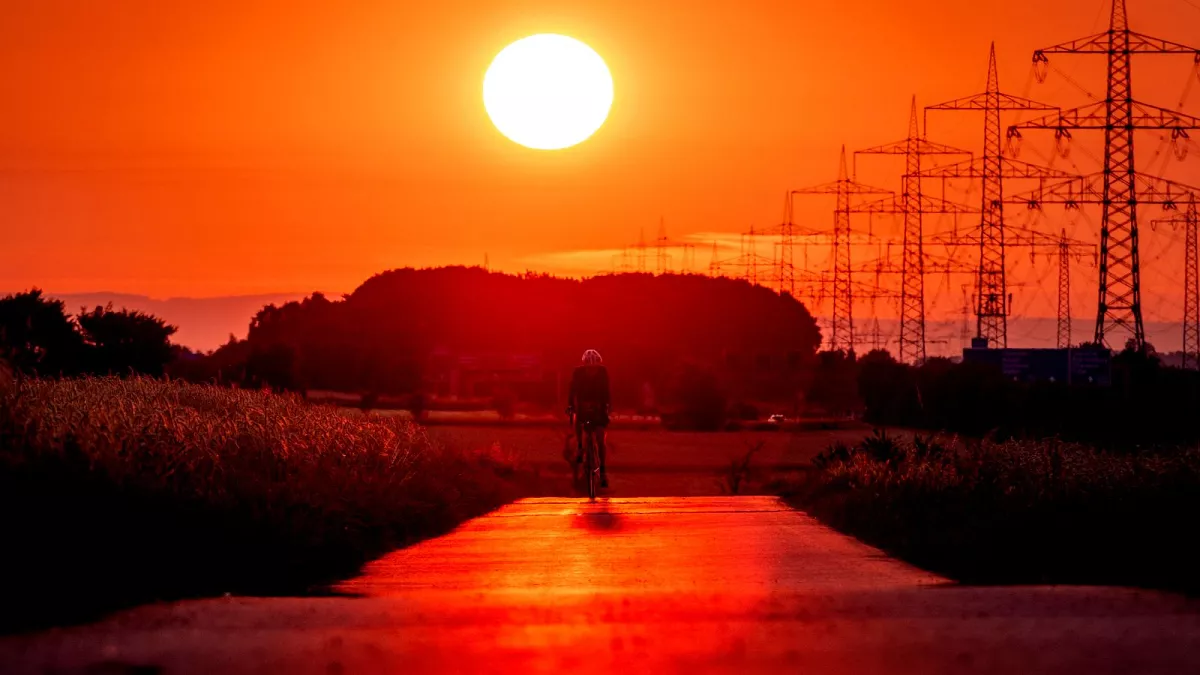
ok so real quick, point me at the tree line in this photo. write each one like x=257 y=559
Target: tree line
x=1146 y=404
x=653 y=331
x=39 y=337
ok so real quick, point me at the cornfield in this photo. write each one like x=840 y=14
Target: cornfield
x=123 y=490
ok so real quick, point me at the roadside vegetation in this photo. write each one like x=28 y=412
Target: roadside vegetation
x=1014 y=512
x=117 y=491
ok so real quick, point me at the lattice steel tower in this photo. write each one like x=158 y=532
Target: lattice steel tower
x=912 y=208
x=841 y=334
x=1064 y=292
x=991 y=286
x=1119 y=115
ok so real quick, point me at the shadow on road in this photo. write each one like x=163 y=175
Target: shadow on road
x=600 y=518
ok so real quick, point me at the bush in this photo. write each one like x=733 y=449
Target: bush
x=1015 y=512
x=173 y=490
x=1147 y=404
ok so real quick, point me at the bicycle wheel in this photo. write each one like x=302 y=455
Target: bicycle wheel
x=591 y=466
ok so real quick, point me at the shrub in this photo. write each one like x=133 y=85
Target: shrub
x=1014 y=512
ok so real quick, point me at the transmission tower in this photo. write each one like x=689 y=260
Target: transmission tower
x=714 y=264
x=786 y=272
x=842 y=330
x=660 y=248
x=1063 y=339
x=641 y=250
x=1191 y=282
x=1122 y=186
x=1191 y=292
x=750 y=256
x=912 y=282
x=991 y=287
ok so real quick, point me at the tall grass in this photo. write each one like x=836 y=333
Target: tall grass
x=1015 y=512
x=118 y=491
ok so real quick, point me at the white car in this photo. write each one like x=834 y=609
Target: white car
x=776 y=419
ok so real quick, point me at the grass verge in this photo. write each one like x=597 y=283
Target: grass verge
x=116 y=492
x=1015 y=512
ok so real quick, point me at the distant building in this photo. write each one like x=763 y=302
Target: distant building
x=1083 y=365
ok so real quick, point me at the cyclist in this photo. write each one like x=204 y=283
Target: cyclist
x=589 y=401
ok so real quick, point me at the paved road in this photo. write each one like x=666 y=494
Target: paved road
x=640 y=585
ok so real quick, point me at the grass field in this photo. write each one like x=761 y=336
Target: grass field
x=653 y=462
x=121 y=491
x=1014 y=512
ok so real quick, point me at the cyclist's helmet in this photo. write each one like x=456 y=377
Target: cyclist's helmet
x=592 y=357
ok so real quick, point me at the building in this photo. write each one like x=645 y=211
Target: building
x=1074 y=365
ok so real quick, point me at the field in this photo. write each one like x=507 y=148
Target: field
x=1014 y=512
x=123 y=491
x=653 y=462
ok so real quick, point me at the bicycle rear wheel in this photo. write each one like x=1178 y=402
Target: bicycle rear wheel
x=591 y=466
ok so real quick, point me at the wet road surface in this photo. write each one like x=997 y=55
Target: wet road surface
x=695 y=585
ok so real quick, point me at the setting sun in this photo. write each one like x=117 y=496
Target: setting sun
x=548 y=92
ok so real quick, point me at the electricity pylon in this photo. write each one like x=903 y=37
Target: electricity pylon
x=1123 y=187
x=991 y=168
x=912 y=282
x=1191 y=282
x=841 y=334
x=786 y=272
x=1063 y=333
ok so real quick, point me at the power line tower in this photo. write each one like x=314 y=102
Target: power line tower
x=1191 y=292
x=660 y=248
x=1063 y=339
x=991 y=285
x=641 y=250
x=912 y=282
x=842 y=331
x=1190 y=222
x=1122 y=186
x=714 y=264
x=750 y=256
x=786 y=269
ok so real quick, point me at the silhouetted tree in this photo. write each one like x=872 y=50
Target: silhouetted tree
x=125 y=342
x=380 y=337
x=273 y=367
x=834 y=384
x=37 y=336
x=698 y=399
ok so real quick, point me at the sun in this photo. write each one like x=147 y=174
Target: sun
x=548 y=91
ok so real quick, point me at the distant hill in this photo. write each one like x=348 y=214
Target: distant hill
x=204 y=323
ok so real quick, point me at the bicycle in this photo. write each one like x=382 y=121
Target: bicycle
x=591 y=460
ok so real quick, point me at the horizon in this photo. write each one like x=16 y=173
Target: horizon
x=209 y=170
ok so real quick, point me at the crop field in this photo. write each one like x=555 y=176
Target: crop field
x=1015 y=512
x=120 y=491
x=651 y=462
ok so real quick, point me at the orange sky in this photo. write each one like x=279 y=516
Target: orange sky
x=229 y=147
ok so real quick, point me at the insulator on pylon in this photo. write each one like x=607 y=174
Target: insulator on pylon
x=1179 y=143
x=1012 y=144
x=1062 y=142
x=1041 y=66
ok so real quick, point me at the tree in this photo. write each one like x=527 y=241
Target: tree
x=700 y=401
x=835 y=382
x=125 y=342
x=37 y=336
